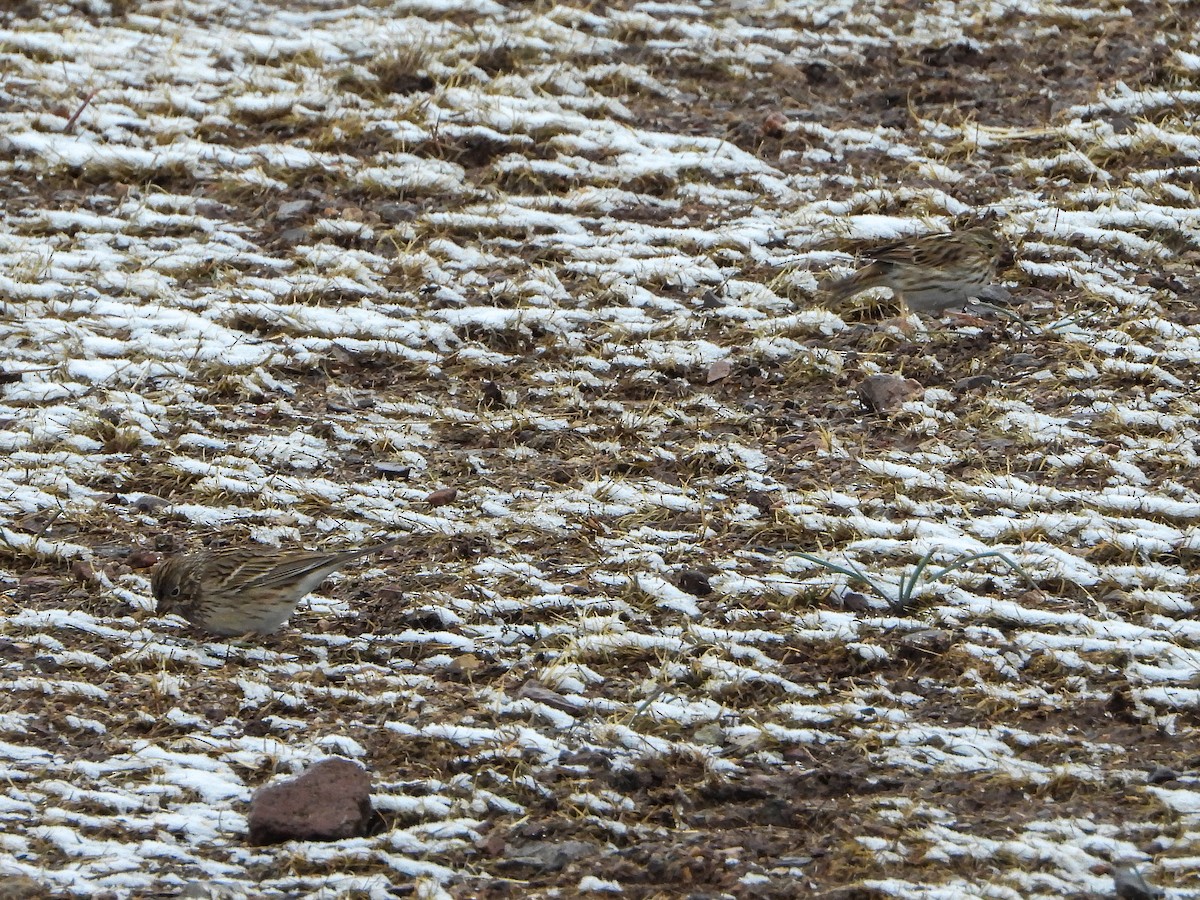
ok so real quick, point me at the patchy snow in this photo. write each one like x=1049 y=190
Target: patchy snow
x=292 y=268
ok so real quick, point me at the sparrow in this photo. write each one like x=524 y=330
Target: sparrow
x=930 y=273
x=245 y=590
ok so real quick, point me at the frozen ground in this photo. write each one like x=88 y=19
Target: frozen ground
x=296 y=266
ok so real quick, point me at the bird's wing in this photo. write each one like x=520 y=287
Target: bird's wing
x=907 y=252
x=289 y=568
x=285 y=568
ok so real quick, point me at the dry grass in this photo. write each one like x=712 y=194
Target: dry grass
x=520 y=304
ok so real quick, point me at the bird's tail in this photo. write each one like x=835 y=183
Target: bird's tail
x=339 y=558
x=845 y=288
x=375 y=548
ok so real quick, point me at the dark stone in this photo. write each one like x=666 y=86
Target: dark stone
x=926 y=642
x=35 y=585
x=294 y=236
x=293 y=209
x=493 y=397
x=393 y=213
x=695 y=583
x=1129 y=885
x=974 y=383
x=1161 y=775
x=1026 y=361
x=856 y=603
x=996 y=293
x=256 y=728
x=392 y=469
x=761 y=501
x=547 y=856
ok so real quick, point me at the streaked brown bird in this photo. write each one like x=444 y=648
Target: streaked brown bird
x=930 y=273
x=245 y=590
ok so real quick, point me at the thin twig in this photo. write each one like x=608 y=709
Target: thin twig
x=75 y=118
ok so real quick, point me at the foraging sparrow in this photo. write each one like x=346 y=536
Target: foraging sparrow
x=245 y=590
x=928 y=273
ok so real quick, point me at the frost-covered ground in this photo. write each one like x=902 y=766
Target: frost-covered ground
x=295 y=266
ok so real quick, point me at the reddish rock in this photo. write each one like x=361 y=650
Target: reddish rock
x=885 y=393
x=329 y=801
x=142 y=559
x=774 y=125
x=442 y=497
x=82 y=570
x=40 y=584
x=719 y=370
